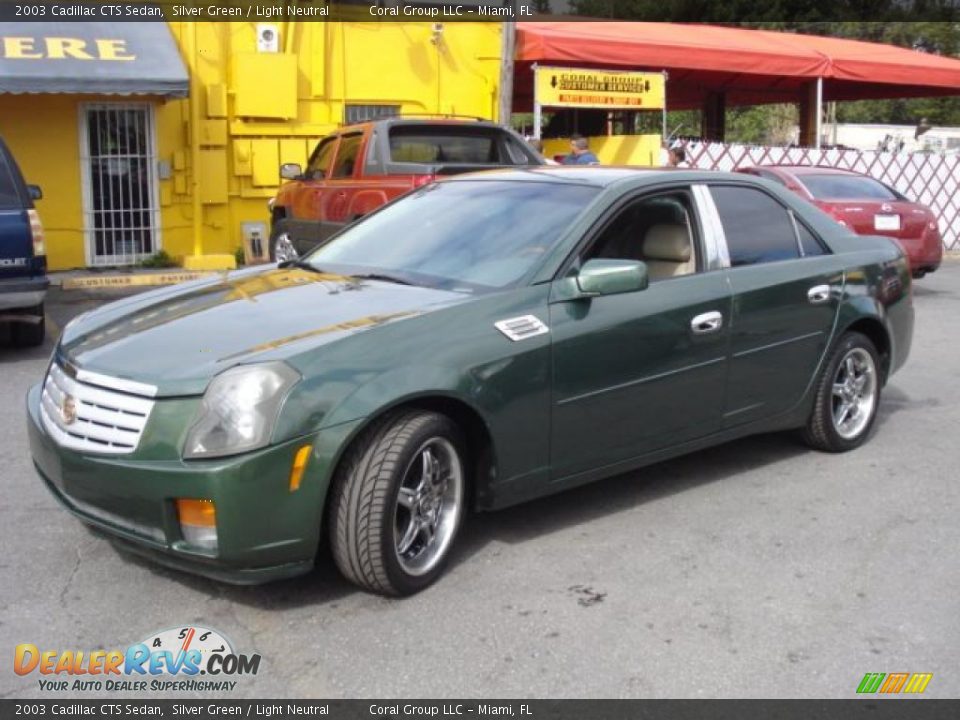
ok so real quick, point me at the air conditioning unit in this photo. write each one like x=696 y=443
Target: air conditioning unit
x=268 y=38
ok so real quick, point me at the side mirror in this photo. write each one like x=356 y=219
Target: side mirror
x=35 y=192
x=603 y=277
x=291 y=171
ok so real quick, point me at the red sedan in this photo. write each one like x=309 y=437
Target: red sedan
x=866 y=206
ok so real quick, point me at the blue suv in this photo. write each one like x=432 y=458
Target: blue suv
x=23 y=257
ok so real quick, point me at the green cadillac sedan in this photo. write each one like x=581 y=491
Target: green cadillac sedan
x=477 y=343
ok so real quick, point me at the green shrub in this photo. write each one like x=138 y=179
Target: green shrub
x=160 y=259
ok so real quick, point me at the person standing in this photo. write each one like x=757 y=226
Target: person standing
x=677 y=157
x=580 y=152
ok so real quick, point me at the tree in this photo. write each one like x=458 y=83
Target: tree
x=926 y=25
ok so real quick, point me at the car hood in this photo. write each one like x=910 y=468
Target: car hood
x=177 y=339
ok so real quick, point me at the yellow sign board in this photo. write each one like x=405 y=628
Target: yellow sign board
x=572 y=87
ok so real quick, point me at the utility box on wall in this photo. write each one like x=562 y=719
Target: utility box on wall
x=255 y=247
x=265 y=85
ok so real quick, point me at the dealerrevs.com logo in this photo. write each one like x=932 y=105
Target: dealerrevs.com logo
x=894 y=683
x=168 y=661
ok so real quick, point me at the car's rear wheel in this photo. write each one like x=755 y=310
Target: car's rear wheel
x=398 y=502
x=848 y=395
x=282 y=248
x=29 y=334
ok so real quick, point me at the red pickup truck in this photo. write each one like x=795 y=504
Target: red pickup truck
x=361 y=167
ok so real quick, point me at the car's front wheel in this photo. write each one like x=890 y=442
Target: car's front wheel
x=398 y=502
x=848 y=395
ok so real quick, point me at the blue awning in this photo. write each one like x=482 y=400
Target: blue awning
x=112 y=58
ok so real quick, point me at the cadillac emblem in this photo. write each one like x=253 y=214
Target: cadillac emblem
x=68 y=410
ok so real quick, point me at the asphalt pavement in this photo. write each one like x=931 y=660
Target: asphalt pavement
x=755 y=569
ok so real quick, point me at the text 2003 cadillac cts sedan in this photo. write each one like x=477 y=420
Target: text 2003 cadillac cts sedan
x=479 y=342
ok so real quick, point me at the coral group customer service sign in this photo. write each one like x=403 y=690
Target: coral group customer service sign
x=570 y=87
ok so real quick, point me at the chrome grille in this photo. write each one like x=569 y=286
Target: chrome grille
x=92 y=419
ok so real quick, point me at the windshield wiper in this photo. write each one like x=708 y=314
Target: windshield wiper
x=381 y=276
x=302 y=264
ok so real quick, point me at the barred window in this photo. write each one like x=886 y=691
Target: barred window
x=363 y=113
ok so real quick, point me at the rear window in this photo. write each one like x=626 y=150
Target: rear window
x=448 y=145
x=758 y=228
x=9 y=196
x=846 y=187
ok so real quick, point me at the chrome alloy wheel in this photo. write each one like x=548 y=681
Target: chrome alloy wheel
x=854 y=393
x=283 y=249
x=428 y=506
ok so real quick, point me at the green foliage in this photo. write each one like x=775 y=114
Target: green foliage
x=240 y=256
x=788 y=14
x=927 y=25
x=160 y=259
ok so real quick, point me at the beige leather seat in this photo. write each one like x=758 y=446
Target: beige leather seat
x=668 y=251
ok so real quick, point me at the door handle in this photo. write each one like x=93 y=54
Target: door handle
x=819 y=294
x=706 y=323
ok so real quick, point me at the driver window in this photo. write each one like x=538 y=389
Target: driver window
x=658 y=230
x=320 y=160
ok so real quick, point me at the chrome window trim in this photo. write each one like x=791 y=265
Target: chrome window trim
x=714 y=239
x=796 y=233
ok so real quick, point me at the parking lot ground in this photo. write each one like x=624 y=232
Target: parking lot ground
x=756 y=569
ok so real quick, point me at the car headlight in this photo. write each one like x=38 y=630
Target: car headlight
x=239 y=409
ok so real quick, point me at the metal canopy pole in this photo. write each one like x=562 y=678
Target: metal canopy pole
x=536 y=104
x=819 y=111
x=663 y=131
x=508 y=50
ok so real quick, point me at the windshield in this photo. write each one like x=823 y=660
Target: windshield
x=468 y=235
x=846 y=187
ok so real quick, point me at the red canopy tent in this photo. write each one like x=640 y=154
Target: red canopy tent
x=735 y=66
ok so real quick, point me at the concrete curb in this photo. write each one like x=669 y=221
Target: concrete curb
x=91 y=280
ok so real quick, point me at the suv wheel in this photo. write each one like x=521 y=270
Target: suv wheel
x=29 y=334
x=282 y=248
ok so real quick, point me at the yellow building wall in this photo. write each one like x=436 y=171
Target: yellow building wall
x=257 y=110
x=42 y=133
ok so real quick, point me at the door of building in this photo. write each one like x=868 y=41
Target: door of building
x=118 y=167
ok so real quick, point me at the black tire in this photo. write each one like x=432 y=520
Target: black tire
x=278 y=228
x=29 y=334
x=364 y=504
x=821 y=432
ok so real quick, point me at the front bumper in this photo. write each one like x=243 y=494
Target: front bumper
x=23 y=292
x=265 y=532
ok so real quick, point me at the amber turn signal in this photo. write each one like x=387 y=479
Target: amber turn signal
x=198 y=522
x=299 y=465
x=199 y=513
